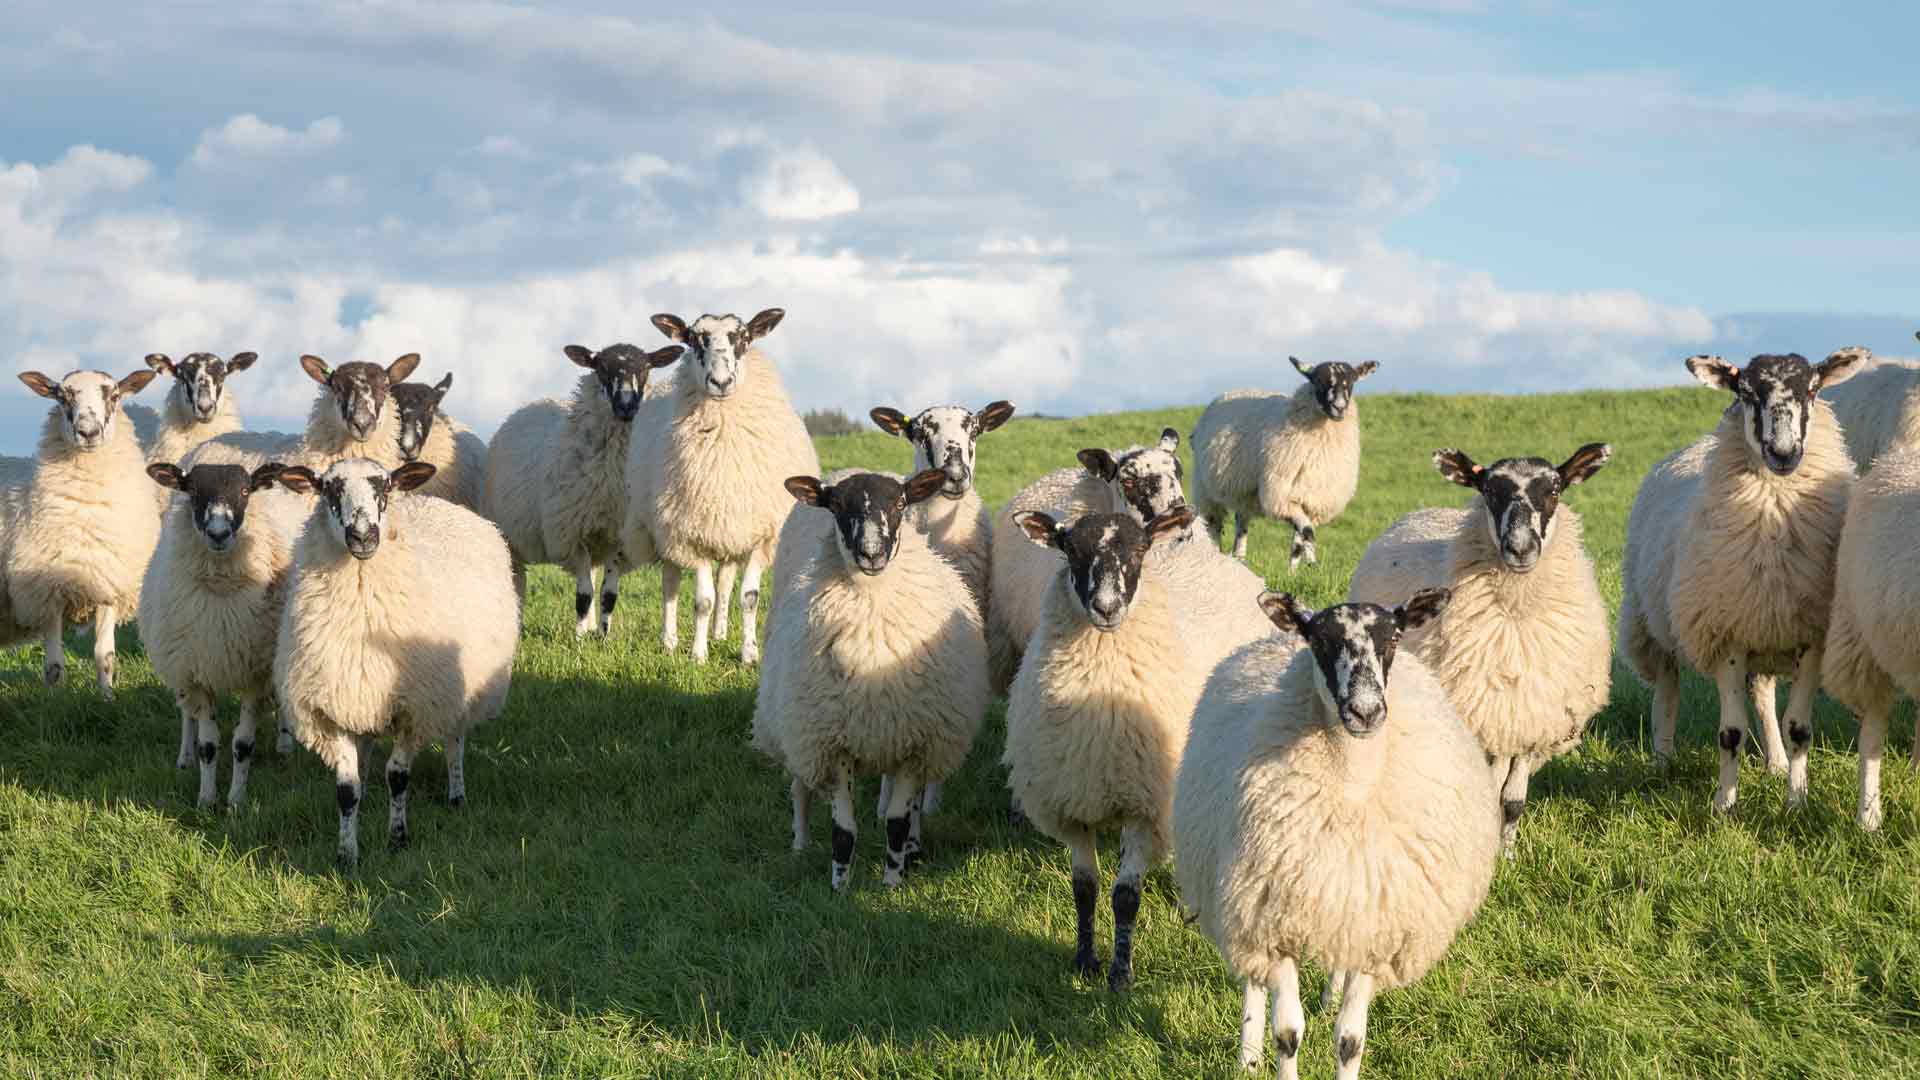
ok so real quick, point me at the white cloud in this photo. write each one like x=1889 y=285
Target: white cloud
x=246 y=137
x=800 y=185
x=504 y=146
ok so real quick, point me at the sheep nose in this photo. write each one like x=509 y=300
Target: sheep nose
x=1108 y=608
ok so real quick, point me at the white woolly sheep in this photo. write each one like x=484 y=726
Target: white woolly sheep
x=1879 y=408
x=1525 y=648
x=425 y=433
x=210 y=606
x=1331 y=807
x=1730 y=556
x=16 y=483
x=957 y=524
x=1292 y=457
x=1098 y=715
x=876 y=663
x=704 y=472
x=196 y=408
x=350 y=417
x=79 y=552
x=557 y=475
x=429 y=660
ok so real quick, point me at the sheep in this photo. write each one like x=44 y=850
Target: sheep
x=877 y=662
x=1295 y=458
x=197 y=407
x=1729 y=562
x=427 y=434
x=1525 y=648
x=1331 y=807
x=704 y=473
x=16 y=482
x=210 y=605
x=1097 y=717
x=556 y=475
x=400 y=621
x=78 y=551
x=349 y=418
x=1878 y=409
x=957 y=524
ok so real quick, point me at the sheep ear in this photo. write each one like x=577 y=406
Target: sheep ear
x=1844 y=364
x=241 y=361
x=671 y=326
x=133 y=384
x=1305 y=371
x=1168 y=522
x=992 y=417
x=160 y=363
x=808 y=490
x=1713 y=372
x=298 y=478
x=665 y=356
x=925 y=485
x=316 y=369
x=890 y=420
x=1456 y=466
x=1170 y=440
x=403 y=367
x=445 y=384
x=265 y=476
x=167 y=475
x=410 y=476
x=1426 y=605
x=1365 y=370
x=41 y=385
x=1285 y=612
x=579 y=354
x=1040 y=528
x=1584 y=463
x=1099 y=463
x=762 y=324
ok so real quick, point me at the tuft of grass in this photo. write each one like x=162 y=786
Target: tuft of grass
x=617 y=897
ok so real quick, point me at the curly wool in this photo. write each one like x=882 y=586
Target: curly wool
x=78 y=547
x=180 y=430
x=1276 y=455
x=1873 y=644
x=1878 y=410
x=1020 y=570
x=460 y=460
x=958 y=530
x=16 y=480
x=1526 y=659
x=1298 y=840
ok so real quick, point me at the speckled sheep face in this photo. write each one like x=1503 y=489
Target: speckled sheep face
x=1148 y=479
x=355 y=492
x=89 y=402
x=360 y=390
x=216 y=496
x=1775 y=395
x=416 y=406
x=1105 y=553
x=200 y=379
x=1353 y=647
x=622 y=371
x=866 y=509
x=944 y=438
x=716 y=345
x=1520 y=496
x=1333 y=384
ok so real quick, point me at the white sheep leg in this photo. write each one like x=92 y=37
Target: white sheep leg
x=457 y=770
x=1253 y=1025
x=1136 y=841
x=1303 y=549
x=906 y=787
x=1240 y=530
x=243 y=735
x=702 y=610
x=1086 y=889
x=886 y=799
x=930 y=797
x=843 y=829
x=284 y=744
x=105 y=661
x=53 y=636
x=1873 y=744
x=1289 y=1019
x=802 y=797
x=185 y=757
x=399 y=775
x=582 y=569
x=669 y=607
x=727 y=576
x=750 y=609
x=347 y=790
x=1666 y=710
x=1732 y=680
x=1336 y=985
x=1806 y=683
x=1350 y=1030
x=1766 y=720
x=1513 y=800
x=915 y=815
x=206 y=741
x=519 y=578
x=609 y=594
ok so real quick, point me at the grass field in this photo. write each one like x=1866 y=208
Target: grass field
x=618 y=899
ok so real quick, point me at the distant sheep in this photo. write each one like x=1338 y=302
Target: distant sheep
x=1292 y=457
x=197 y=407
x=430 y=435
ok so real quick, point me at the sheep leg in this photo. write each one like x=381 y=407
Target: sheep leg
x=284 y=744
x=457 y=770
x=1289 y=1019
x=609 y=594
x=750 y=608
x=519 y=576
x=930 y=797
x=1336 y=985
x=906 y=788
x=1733 y=724
x=886 y=798
x=582 y=569
x=1873 y=744
x=1666 y=710
x=399 y=774
x=347 y=790
x=1806 y=683
x=1134 y=845
x=802 y=803
x=1350 y=1029
x=56 y=661
x=1086 y=887
x=207 y=741
x=105 y=662
x=915 y=815
x=1513 y=800
x=1253 y=1025
x=702 y=610
x=843 y=828
x=1302 y=544
x=728 y=574
x=185 y=757
x=669 y=607
x=1765 y=711
x=1240 y=530
x=243 y=733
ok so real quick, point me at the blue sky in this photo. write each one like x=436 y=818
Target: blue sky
x=1076 y=210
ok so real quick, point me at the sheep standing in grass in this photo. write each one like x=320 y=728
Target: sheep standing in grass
x=1098 y=715
x=1331 y=807
x=876 y=663
x=16 y=485
x=210 y=606
x=1730 y=556
x=197 y=407
x=705 y=469
x=80 y=550
x=427 y=434
x=1524 y=649
x=557 y=476
x=1294 y=458
x=400 y=621
x=1879 y=408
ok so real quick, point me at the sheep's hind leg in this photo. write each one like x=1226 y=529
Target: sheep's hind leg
x=1732 y=680
x=105 y=661
x=702 y=610
x=1253 y=1025
x=582 y=569
x=1806 y=683
x=399 y=775
x=844 y=829
x=185 y=757
x=1350 y=1029
x=1666 y=710
x=1336 y=985
x=609 y=595
x=1289 y=1019
x=1303 y=548
x=1086 y=890
x=669 y=607
x=930 y=797
x=906 y=788
x=802 y=797
x=1873 y=744
x=750 y=608
x=52 y=635
x=1513 y=800
x=724 y=580
x=457 y=770
x=1134 y=845
x=1766 y=706
x=347 y=789
x=207 y=741
x=1240 y=530
x=243 y=737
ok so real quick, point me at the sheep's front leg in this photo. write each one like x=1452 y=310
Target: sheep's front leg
x=1289 y=1018
x=750 y=609
x=199 y=704
x=243 y=735
x=702 y=610
x=399 y=775
x=105 y=661
x=843 y=828
x=1240 y=530
x=669 y=607
x=1666 y=710
x=1253 y=1025
x=802 y=804
x=344 y=749
x=1766 y=719
x=284 y=745
x=1513 y=800
x=1086 y=890
x=582 y=569
x=1732 y=680
x=457 y=770
x=1303 y=548
x=728 y=574
x=906 y=788
x=1135 y=843
x=915 y=814
x=609 y=595
x=53 y=635
x=1350 y=1030
x=185 y=757
x=1806 y=683
x=1873 y=744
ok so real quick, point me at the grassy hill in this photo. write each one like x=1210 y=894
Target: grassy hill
x=617 y=898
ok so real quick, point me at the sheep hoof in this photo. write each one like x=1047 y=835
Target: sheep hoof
x=1723 y=802
x=55 y=673
x=749 y=655
x=1086 y=964
x=347 y=860
x=397 y=839
x=455 y=802
x=285 y=745
x=204 y=802
x=1120 y=979
x=1869 y=817
x=669 y=643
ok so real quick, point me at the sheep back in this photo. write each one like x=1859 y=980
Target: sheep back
x=1874 y=641
x=459 y=459
x=1656 y=527
x=16 y=481
x=517 y=475
x=1878 y=409
x=78 y=546
x=1217 y=597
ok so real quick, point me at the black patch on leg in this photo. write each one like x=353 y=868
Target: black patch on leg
x=1126 y=908
x=1349 y=1048
x=1511 y=809
x=749 y=601
x=1086 y=892
x=1801 y=734
x=1730 y=740
x=842 y=845
x=397 y=782
x=582 y=603
x=207 y=752
x=607 y=601
x=1287 y=1042
x=346 y=797
x=897 y=842
x=242 y=751
x=1306 y=533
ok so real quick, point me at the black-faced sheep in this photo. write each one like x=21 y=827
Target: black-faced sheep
x=425 y=433
x=197 y=407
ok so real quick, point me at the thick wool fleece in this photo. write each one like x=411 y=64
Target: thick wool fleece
x=1298 y=840
x=1873 y=645
x=250 y=449
x=1022 y=570
x=180 y=430
x=1217 y=597
x=1526 y=659
x=419 y=637
x=881 y=674
x=460 y=458
x=16 y=481
x=146 y=424
x=958 y=530
x=705 y=475
x=80 y=545
x=1277 y=455
x=1878 y=410
x=328 y=439
x=1096 y=722
x=518 y=467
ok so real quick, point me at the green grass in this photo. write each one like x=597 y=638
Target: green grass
x=617 y=898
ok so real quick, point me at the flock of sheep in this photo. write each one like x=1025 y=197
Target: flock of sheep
x=1338 y=790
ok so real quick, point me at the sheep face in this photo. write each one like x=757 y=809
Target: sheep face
x=415 y=407
x=89 y=402
x=217 y=496
x=1353 y=647
x=360 y=390
x=200 y=378
x=1775 y=395
x=866 y=509
x=622 y=371
x=716 y=343
x=1104 y=555
x=356 y=492
x=1520 y=496
x=1148 y=479
x=1333 y=384
x=944 y=438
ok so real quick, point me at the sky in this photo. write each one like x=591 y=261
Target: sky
x=1080 y=210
